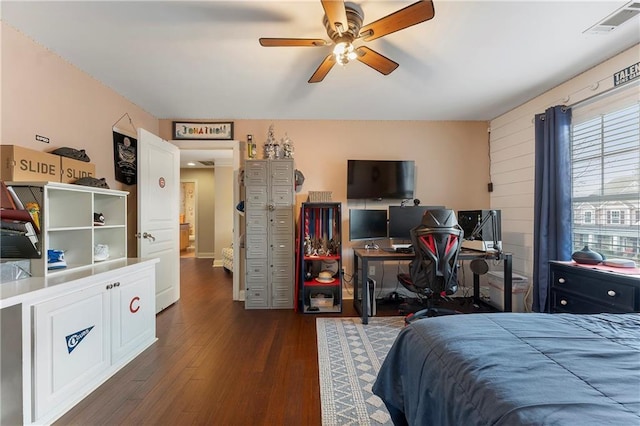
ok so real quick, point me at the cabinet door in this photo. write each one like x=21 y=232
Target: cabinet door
x=256 y=197
x=71 y=347
x=132 y=313
x=282 y=173
x=256 y=246
x=282 y=284
x=256 y=283
x=255 y=172
x=256 y=222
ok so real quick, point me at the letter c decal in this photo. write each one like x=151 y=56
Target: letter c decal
x=135 y=308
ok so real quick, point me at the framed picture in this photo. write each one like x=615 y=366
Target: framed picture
x=203 y=130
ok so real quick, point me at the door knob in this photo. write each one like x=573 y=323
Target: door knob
x=148 y=236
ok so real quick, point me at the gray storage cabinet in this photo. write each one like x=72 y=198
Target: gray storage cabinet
x=269 y=234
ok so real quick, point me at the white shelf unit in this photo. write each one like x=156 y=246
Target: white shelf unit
x=66 y=212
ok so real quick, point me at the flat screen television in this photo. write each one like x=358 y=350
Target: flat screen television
x=378 y=179
x=403 y=218
x=367 y=224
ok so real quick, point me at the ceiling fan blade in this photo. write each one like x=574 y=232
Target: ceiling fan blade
x=378 y=62
x=411 y=15
x=286 y=42
x=323 y=69
x=336 y=13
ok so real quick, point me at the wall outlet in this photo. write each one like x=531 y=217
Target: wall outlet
x=372 y=270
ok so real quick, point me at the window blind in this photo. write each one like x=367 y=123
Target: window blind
x=605 y=171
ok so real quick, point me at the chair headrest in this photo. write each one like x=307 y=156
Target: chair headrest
x=439 y=218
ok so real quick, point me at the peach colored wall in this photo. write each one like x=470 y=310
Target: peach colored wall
x=452 y=157
x=45 y=95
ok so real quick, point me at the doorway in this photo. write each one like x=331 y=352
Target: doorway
x=188 y=217
x=227 y=162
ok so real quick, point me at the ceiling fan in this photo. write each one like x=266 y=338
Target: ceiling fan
x=343 y=22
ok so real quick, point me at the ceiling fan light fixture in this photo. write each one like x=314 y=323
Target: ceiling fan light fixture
x=343 y=23
x=344 y=52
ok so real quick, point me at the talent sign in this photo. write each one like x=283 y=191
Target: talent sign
x=626 y=75
x=124 y=158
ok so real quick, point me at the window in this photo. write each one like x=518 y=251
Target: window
x=614 y=217
x=588 y=217
x=605 y=172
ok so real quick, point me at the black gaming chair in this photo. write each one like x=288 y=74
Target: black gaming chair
x=433 y=271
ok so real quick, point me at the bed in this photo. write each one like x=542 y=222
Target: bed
x=514 y=369
x=227 y=258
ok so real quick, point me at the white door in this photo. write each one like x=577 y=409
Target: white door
x=158 y=213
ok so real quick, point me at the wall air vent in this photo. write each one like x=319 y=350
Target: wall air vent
x=617 y=18
x=209 y=163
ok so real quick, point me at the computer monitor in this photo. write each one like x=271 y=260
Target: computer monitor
x=403 y=219
x=365 y=224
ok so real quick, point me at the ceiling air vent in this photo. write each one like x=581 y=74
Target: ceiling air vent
x=617 y=18
x=208 y=163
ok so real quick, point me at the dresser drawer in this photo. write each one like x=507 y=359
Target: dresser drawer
x=568 y=302
x=607 y=292
x=585 y=290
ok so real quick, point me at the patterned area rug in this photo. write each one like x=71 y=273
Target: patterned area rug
x=350 y=355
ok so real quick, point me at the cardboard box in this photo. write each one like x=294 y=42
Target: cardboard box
x=72 y=170
x=27 y=165
x=22 y=164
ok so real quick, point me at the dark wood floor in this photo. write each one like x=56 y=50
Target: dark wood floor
x=215 y=363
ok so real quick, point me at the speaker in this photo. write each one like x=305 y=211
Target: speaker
x=469 y=219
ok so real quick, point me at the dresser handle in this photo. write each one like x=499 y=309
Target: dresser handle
x=563 y=302
x=561 y=280
x=611 y=293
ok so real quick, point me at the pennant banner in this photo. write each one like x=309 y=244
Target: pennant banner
x=125 y=158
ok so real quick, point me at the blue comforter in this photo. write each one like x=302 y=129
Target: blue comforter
x=515 y=369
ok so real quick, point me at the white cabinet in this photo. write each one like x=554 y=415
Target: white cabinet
x=81 y=338
x=66 y=220
x=71 y=346
x=269 y=234
x=133 y=314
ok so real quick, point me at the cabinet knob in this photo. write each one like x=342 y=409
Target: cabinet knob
x=611 y=293
x=116 y=284
x=109 y=286
x=561 y=280
x=563 y=302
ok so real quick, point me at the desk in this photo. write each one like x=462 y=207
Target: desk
x=366 y=255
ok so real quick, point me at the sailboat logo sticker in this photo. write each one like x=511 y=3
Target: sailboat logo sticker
x=73 y=340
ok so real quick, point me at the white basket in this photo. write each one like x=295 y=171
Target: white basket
x=321 y=300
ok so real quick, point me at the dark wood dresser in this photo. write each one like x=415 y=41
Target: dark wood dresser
x=582 y=290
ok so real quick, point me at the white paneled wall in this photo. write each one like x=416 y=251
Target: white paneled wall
x=512 y=154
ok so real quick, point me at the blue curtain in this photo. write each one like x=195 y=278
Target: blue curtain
x=552 y=205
